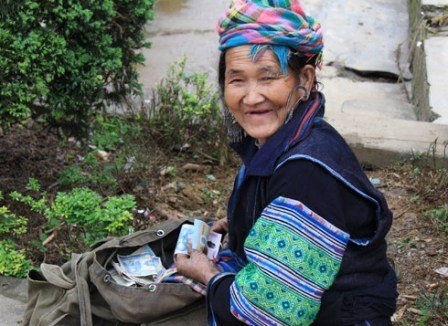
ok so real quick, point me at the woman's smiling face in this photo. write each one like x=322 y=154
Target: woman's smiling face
x=256 y=93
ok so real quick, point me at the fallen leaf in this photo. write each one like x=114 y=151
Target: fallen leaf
x=408 y=296
x=416 y=311
x=432 y=286
x=193 y=167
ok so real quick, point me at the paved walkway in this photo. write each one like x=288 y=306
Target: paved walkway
x=364 y=103
x=13 y=294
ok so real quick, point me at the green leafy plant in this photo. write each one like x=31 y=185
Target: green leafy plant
x=439 y=216
x=187 y=109
x=92 y=173
x=99 y=217
x=109 y=132
x=12 y=259
x=63 y=60
x=10 y=223
x=107 y=138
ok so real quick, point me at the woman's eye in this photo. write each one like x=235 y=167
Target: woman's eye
x=235 y=80
x=270 y=77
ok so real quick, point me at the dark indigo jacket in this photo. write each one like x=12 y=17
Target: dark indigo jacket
x=310 y=162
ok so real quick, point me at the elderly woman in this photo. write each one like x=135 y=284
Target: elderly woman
x=306 y=227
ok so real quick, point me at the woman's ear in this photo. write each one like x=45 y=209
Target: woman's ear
x=307 y=77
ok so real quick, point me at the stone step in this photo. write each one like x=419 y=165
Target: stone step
x=386 y=141
x=364 y=96
x=383 y=108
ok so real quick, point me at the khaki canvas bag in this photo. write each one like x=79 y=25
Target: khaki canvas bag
x=81 y=291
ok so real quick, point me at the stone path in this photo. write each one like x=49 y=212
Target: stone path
x=13 y=294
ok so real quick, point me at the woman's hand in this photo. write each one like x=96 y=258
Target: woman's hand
x=196 y=266
x=221 y=226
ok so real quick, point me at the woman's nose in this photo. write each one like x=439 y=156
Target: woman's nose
x=253 y=95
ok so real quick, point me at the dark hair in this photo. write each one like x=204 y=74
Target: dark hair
x=296 y=62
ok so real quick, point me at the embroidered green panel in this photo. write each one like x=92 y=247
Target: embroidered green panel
x=275 y=297
x=294 y=251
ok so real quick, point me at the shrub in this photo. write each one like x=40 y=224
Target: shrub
x=187 y=110
x=98 y=217
x=106 y=157
x=12 y=260
x=61 y=60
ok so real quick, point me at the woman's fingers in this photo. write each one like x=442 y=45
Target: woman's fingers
x=220 y=226
x=196 y=266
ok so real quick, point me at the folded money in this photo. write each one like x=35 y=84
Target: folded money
x=198 y=237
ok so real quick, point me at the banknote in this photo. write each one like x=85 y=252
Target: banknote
x=213 y=244
x=185 y=239
x=168 y=272
x=120 y=279
x=200 y=235
x=141 y=264
x=144 y=249
x=143 y=281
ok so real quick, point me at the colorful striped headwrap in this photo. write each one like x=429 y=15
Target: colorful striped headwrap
x=271 y=22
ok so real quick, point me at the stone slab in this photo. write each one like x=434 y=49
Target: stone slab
x=11 y=310
x=13 y=296
x=364 y=97
x=182 y=28
x=12 y=287
x=382 y=142
x=436 y=49
x=435 y=3
x=383 y=108
x=364 y=35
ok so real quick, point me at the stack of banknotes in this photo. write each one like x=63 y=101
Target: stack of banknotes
x=143 y=267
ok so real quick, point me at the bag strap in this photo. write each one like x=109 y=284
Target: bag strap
x=80 y=264
x=56 y=276
x=82 y=288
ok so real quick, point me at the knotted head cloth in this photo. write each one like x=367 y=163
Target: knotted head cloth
x=270 y=22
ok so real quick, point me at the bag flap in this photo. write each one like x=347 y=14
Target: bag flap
x=55 y=275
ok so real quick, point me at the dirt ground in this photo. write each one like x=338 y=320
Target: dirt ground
x=200 y=187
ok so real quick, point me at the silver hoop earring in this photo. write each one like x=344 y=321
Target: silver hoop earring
x=304 y=97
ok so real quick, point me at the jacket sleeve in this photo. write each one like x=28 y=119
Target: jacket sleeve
x=294 y=256
x=218 y=301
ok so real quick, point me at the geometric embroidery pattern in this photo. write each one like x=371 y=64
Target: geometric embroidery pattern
x=294 y=256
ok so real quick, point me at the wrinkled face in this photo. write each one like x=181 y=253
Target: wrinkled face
x=256 y=92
